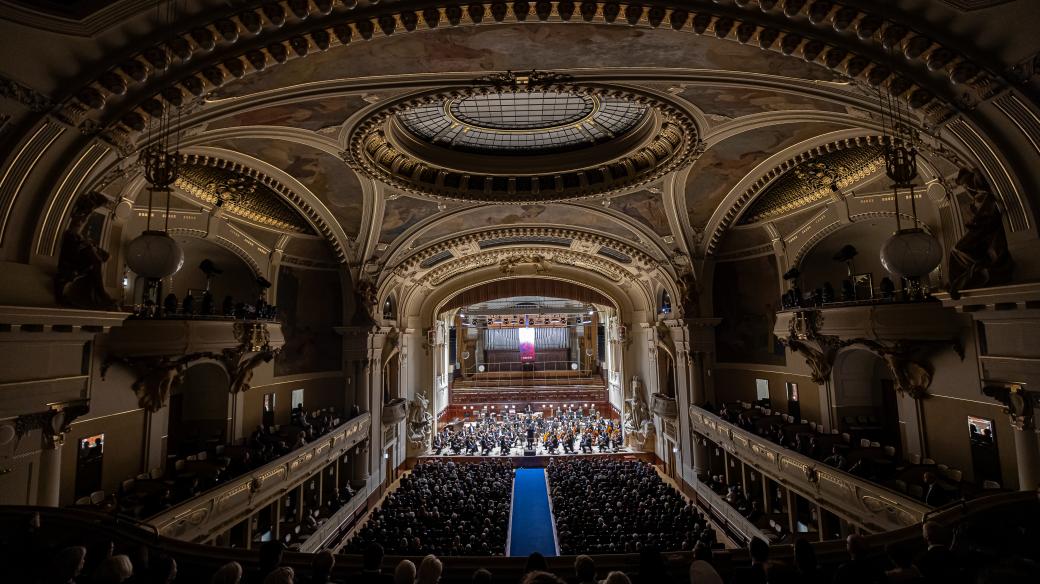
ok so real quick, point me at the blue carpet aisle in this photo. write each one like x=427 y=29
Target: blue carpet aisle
x=531 y=524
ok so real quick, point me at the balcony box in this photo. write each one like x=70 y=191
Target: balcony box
x=395 y=411
x=664 y=406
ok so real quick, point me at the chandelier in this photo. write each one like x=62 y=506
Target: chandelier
x=910 y=252
x=154 y=254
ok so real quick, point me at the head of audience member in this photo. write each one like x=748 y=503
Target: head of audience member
x=429 y=571
x=759 y=550
x=856 y=545
x=616 y=577
x=270 y=556
x=113 y=570
x=229 y=573
x=282 y=575
x=702 y=552
x=372 y=558
x=68 y=563
x=928 y=478
x=482 y=576
x=321 y=566
x=541 y=577
x=404 y=573
x=164 y=570
x=585 y=569
x=935 y=534
x=536 y=563
x=804 y=556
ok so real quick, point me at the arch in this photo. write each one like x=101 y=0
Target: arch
x=199 y=407
x=864 y=396
x=525 y=286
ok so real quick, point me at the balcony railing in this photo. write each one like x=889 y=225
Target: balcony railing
x=220 y=508
x=874 y=506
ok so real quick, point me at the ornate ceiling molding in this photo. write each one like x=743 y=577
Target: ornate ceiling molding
x=377 y=151
x=734 y=210
x=238 y=42
x=537 y=260
x=581 y=242
x=315 y=218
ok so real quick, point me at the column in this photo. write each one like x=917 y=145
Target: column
x=698 y=397
x=48 y=485
x=360 y=472
x=792 y=510
x=767 y=501
x=1027 y=453
x=821 y=525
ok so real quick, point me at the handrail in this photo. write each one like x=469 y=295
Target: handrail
x=214 y=509
x=196 y=562
x=869 y=504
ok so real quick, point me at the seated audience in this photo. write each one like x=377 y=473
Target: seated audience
x=859 y=569
x=443 y=508
x=612 y=506
x=404 y=573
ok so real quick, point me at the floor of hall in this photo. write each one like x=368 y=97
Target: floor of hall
x=531 y=525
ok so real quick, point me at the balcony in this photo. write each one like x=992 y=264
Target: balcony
x=219 y=509
x=139 y=338
x=394 y=411
x=664 y=406
x=872 y=505
x=894 y=321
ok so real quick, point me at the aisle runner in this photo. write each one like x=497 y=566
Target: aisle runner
x=531 y=523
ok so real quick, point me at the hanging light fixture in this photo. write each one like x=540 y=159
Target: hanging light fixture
x=154 y=254
x=911 y=252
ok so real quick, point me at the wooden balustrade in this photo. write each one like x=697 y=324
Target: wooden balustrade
x=220 y=508
x=865 y=503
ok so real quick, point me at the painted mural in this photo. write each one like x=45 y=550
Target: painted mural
x=401 y=214
x=726 y=163
x=328 y=112
x=311 y=344
x=545 y=46
x=746 y=295
x=328 y=177
x=506 y=215
x=735 y=102
x=646 y=208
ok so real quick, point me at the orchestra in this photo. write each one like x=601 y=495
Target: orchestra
x=563 y=432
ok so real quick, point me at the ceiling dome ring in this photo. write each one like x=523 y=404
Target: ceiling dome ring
x=523 y=144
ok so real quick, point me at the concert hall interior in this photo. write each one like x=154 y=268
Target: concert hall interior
x=703 y=291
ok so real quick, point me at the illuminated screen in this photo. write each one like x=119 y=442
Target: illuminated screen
x=526 y=344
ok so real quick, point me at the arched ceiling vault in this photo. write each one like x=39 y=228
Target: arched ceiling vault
x=225 y=68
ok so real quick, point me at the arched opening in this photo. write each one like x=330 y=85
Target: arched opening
x=664 y=304
x=865 y=401
x=199 y=410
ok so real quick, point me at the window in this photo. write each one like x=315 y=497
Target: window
x=666 y=302
x=762 y=388
x=297 y=398
x=792 y=391
x=268 y=413
x=89 y=455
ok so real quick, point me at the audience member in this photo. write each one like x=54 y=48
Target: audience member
x=429 y=571
x=321 y=567
x=371 y=566
x=163 y=570
x=113 y=570
x=536 y=563
x=756 y=572
x=67 y=565
x=904 y=571
x=805 y=562
x=618 y=578
x=859 y=569
x=270 y=558
x=936 y=563
x=404 y=573
x=482 y=576
x=282 y=575
x=229 y=573
x=539 y=577
x=585 y=570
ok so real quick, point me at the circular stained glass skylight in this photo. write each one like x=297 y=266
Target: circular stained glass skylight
x=523 y=122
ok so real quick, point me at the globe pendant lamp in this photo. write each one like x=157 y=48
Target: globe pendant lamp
x=154 y=254
x=909 y=253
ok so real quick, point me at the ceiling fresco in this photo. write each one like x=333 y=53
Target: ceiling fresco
x=736 y=102
x=646 y=208
x=518 y=47
x=328 y=112
x=328 y=177
x=508 y=215
x=401 y=214
x=726 y=163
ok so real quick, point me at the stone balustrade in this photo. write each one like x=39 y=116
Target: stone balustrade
x=173 y=337
x=218 y=509
x=722 y=512
x=896 y=321
x=873 y=506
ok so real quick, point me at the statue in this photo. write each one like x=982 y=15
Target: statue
x=691 y=295
x=79 y=280
x=638 y=424
x=981 y=257
x=420 y=421
x=364 y=303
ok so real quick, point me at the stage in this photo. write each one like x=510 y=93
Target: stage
x=540 y=459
